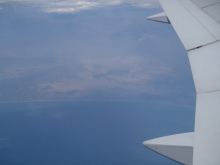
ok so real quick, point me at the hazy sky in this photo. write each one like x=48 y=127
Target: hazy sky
x=73 y=6
x=90 y=50
x=127 y=80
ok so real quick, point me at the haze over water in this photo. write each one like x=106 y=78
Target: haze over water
x=86 y=82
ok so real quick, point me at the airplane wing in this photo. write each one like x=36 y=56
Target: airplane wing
x=197 y=23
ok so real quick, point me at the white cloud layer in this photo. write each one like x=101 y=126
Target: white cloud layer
x=72 y=6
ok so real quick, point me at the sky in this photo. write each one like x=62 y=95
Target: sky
x=71 y=60
x=103 y=52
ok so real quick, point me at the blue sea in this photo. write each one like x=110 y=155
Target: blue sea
x=87 y=132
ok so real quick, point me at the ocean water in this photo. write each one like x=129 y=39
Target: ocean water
x=87 y=132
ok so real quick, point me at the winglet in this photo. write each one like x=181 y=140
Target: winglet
x=161 y=17
x=176 y=147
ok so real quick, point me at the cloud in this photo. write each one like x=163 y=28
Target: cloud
x=144 y=36
x=73 y=6
x=18 y=72
x=130 y=74
x=70 y=6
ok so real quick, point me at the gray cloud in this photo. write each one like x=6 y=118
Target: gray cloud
x=73 y=6
x=144 y=36
x=91 y=57
x=132 y=75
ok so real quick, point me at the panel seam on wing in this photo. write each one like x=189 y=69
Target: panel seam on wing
x=209 y=92
x=211 y=5
x=198 y=21
x=203 y=45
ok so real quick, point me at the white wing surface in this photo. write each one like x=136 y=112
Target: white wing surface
x=205 y=65
x=197 y=23
x=194 y=27
x=205 y=3
x=177 y=147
